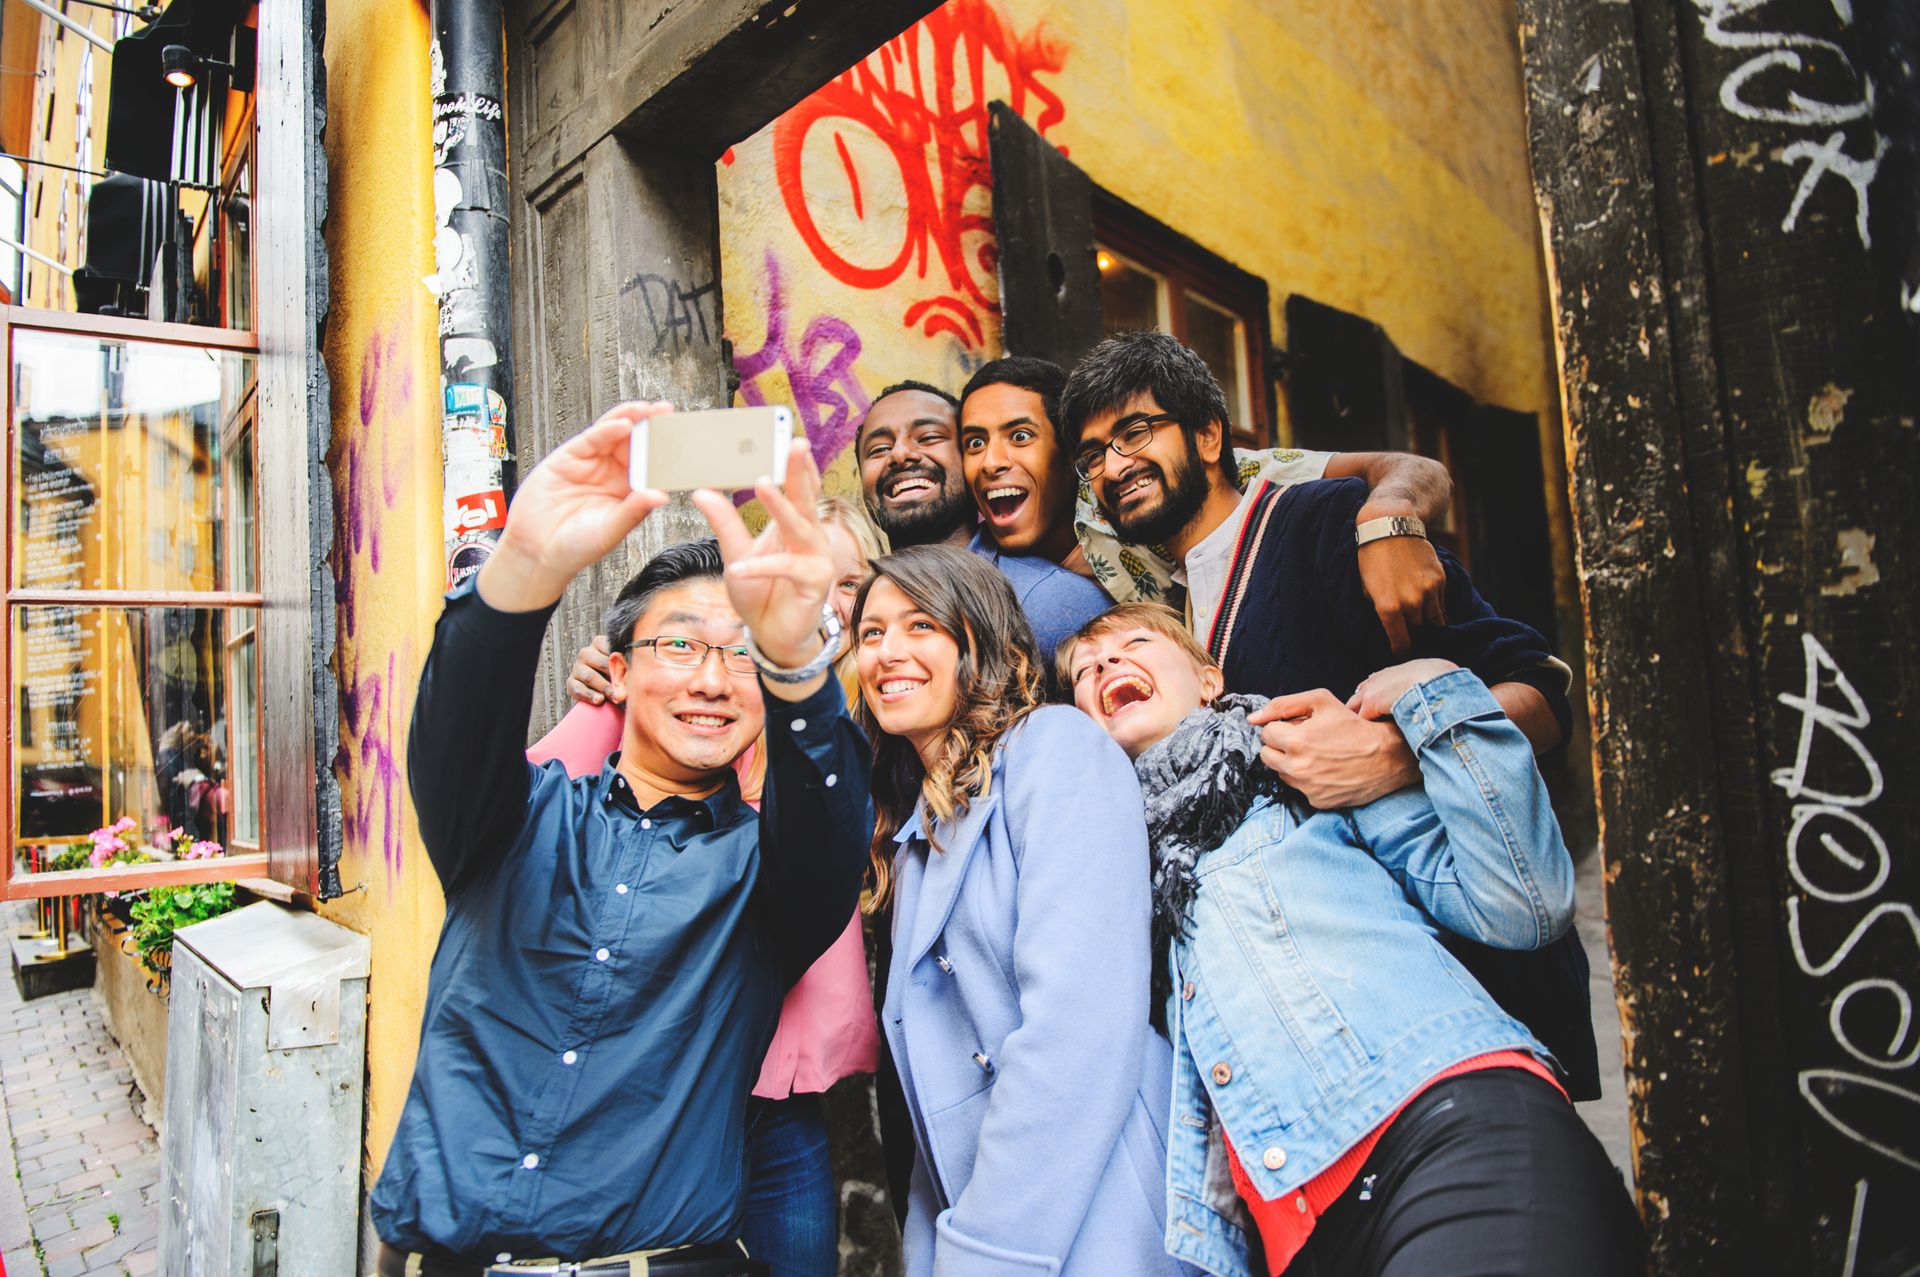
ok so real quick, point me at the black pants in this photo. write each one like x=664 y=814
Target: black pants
x=1490 y=1174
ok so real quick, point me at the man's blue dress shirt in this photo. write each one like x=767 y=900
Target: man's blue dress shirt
x=607 y=978
x=1057 y=600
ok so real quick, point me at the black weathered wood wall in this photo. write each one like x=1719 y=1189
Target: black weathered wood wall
x=1726 y=190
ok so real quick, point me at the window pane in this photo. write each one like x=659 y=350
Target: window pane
x=1130 y=296
x=240 y=519
x=1219 y=338
x=244 y=773
x=117 y=462
x=130 y=719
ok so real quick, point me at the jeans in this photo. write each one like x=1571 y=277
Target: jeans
x=792 y=1211
x=1490 y=1174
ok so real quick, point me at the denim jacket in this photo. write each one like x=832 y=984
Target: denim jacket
x=1313 y=997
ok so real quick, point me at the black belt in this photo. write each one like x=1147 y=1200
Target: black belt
x=715 y=1259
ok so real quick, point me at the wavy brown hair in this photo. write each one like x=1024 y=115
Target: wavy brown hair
x=998 y=680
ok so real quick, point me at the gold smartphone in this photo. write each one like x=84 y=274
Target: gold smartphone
x=726 y=449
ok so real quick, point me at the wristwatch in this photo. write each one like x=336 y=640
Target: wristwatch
x=1398 y=525
x=830 y=642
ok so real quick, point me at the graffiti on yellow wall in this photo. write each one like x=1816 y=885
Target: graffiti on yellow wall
x=857 y=242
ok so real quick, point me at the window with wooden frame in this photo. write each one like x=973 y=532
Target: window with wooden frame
x=152 y=583
x=1152 y=277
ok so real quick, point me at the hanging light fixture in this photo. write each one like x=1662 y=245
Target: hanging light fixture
x=180 y=65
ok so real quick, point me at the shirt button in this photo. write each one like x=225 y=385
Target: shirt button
x=620 y=889
x=1186 y=992
x=601 y=955
x=646 y=824
x=530 y=1161
x=1275 y=1158
x=832 y=781
x=799 y=724
x=1300 y=1204
x=1222 y=1073
x=568 y=1057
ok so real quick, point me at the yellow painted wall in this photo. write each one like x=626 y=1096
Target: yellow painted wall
x=385 y=370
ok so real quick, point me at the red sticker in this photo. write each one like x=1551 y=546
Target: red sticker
x=480 y=511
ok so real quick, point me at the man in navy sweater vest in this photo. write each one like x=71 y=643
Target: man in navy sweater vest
x=1275 y=590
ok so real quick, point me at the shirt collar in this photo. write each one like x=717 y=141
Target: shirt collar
x=723 y=807
x=1220 y=541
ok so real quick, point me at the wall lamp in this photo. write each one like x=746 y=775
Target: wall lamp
x=182 y=67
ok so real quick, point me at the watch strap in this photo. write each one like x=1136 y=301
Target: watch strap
x=1396 y=525
x=829 y=642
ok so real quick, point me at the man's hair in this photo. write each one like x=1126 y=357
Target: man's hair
x=1041 y=376
x=901 y=387
x=675 y=565
x=921 y=386
x=1158 y=617
x=1129 y=364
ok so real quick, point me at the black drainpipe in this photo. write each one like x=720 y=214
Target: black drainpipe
x=468 y=65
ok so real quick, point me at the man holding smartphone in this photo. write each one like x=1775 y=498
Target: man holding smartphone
x=616 y=947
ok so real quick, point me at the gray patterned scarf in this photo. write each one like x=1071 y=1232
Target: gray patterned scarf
x=1199 y=782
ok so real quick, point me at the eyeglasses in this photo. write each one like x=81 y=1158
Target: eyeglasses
x=691 y=653
x=1130 y=434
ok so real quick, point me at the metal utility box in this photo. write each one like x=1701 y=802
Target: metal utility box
x=266 y=1057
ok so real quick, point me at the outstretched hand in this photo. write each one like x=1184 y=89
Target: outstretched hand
x=778 y=581
x=569 y=512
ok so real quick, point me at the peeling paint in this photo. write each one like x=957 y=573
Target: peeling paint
x=1857 y=570
x=1825 y=411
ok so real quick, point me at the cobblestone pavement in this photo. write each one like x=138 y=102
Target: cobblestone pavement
x=87 y=1167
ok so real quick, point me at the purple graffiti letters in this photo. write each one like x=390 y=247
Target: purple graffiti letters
x=826 y=395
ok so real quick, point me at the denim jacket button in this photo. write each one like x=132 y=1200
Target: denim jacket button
x=1222 y=1073
x=1275 y=1158
x=1186 y=992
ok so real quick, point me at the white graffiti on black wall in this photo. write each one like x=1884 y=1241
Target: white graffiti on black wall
x=1761 y=89
x=1840 y=860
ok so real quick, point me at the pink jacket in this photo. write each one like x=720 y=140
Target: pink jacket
x=827 y=1027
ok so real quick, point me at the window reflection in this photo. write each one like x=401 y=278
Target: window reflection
x=1219 y=338
x=1131 y=297
x=117 y=456
x=129 y=717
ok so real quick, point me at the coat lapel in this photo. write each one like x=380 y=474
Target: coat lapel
x=959 y=840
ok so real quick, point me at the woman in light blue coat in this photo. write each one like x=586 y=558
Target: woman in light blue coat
x=1016 y=1003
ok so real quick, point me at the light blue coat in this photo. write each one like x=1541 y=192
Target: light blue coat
x=1017 y=1015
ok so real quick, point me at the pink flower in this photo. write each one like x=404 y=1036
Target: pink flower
x=202 y=850
x=123 y=824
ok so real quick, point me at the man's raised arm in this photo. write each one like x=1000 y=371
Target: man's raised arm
x=815 y=817
x=466 y=764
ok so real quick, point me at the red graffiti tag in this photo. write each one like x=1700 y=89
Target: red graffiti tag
x=923 y=97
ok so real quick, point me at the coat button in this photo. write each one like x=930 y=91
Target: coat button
x=1275 y=1158
x=1186 y=992
x=1222 y=1073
